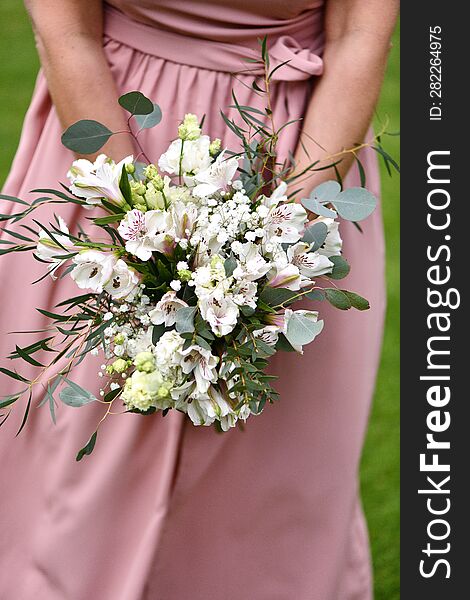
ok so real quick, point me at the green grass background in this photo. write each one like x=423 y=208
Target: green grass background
x=379 y=473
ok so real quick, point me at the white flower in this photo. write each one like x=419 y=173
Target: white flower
x=268 y=334
x=98 y=180
x=202 y=364
x=145 y=390
x=195 y=158
x=220 y=312
x=123 y=281
x=93 y=269
x=244 y=293
x=48 y=249
x=147 y=232
x=182 y=265
x=165 y=310
x=278 y=195
x=286 y=277
x=310 y=264
x=204 y=409
x=252 y=265
x=286 y=222
x=333 y=242
x=216 y=177
x=175 y=285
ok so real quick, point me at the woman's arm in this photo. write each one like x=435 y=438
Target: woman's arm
x=69 y=41
x=356 y=48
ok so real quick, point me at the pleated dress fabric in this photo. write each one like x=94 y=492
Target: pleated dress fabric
x=164 y=510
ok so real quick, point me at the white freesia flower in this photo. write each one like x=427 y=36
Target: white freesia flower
x=93 y=269
x=216 y=177
x=333 y=242
x=123 y=282
x=195 y=157
x=202 y=364
x=286 y=222
x=220 y=312
x=48 y=249
x=147 y=232
x=252 y=265
x=98 y=180
x=165 y=310
x=310 y=264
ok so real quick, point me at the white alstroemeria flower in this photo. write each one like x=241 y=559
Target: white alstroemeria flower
x=244 y=293
x=278 y=195
x=165 y=310
x=252 y=265
x=94 y=181
x=333 y=242
x=269 y=334
x=203 y=365
x=285 y=222
x=310 y=264
x=286 y=276
x=93 y=269
x=204 y=409
x=47 y=249
x=147 y=232
x=195 y=158
x=123 y=282
x=220 y=312
x=215 y=178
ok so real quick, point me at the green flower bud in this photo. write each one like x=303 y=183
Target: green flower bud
x=214 y=147
x=151 y=171
x=154 y=198
x=141 y=207
x=163 y=392
x=189 y=128
x=119 y=339
x=130 y=168
x=119 y=366
x=184 y=275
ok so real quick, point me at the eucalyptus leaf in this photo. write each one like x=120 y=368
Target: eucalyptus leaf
x=338 y=298
x=313 y=205
x=149 y=120
x=355 y=204
x=315 y=235
x=277 y=296
x=302 y=330
x=86 y=136
x=341 y=267
x=230 y=265
x=326 y=192
x=136 y=103
x=74 y=395
x=88 y=448
x=185 y=319
x=357 y=302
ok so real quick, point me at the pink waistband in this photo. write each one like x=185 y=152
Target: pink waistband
x=302 y=64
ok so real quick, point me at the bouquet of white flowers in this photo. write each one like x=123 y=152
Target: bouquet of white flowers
x=192 y=286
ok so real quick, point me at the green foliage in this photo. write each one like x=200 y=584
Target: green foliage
x=86 y=136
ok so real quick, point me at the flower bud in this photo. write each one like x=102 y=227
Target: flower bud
x=119 y=366
x=215 y=147
x=145 y=361
x=130 y=168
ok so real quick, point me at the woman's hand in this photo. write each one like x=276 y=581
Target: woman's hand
x=69 y=38
x=357 y=43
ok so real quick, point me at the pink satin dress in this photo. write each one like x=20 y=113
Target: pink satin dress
x=164 y=510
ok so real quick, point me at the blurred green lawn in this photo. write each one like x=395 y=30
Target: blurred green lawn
x=380 y=475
